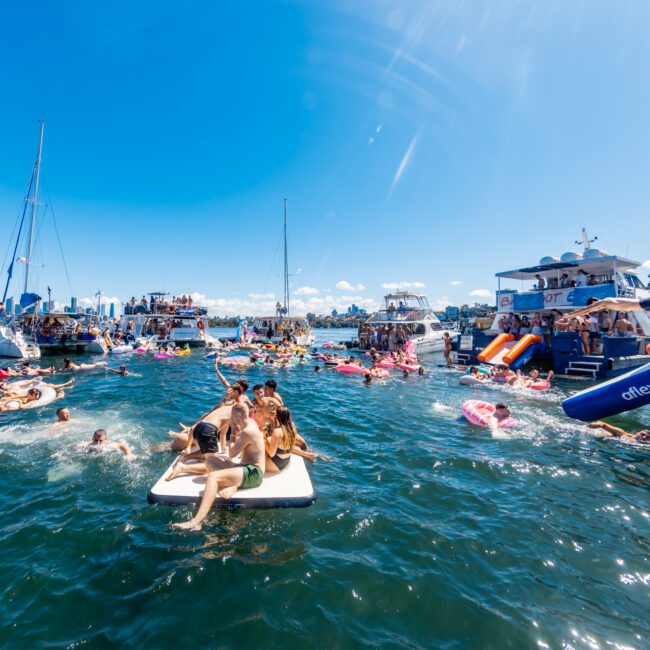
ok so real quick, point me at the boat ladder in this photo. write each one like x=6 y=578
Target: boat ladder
x=584 y=368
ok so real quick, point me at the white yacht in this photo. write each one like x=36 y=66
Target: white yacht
x=161 y=322
x=55 y=332
x=14 y=345
x=409 y=313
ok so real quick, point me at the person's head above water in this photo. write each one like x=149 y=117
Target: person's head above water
x=33 y=394
x=66 y=363
x=99 y=437
x=534 y=374
x=501 y=411
x=62 y=414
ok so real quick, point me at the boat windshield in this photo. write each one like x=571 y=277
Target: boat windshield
x=403 y=306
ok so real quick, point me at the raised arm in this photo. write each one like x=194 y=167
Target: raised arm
x=222 y=379
x=615 y=431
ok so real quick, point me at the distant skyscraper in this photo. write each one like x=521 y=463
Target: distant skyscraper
x=111 y=312
x=102 y=310
x=73 y=304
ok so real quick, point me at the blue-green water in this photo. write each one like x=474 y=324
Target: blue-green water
x=427 y=532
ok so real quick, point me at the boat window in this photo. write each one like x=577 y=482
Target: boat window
x=633 y=281
x=436 y=327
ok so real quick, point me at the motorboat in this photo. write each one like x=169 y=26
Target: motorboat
x=405 y=316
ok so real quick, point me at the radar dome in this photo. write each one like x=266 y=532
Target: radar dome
x=591 y=253
x=549 y=259
x=571 y=257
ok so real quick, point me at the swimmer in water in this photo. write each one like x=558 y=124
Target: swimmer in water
x=121 y=371
x=642 y=436
x=317 y=368
x=101 y=443
x=62 y=417
x=501 y=412
x=68 y=366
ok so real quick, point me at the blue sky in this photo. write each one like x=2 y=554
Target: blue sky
x=431 y=143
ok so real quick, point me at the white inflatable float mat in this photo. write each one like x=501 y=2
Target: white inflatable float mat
x=48 y=395
x=469 y=380
x=291 y=488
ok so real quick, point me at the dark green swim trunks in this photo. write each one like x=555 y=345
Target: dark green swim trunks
x=253 y=476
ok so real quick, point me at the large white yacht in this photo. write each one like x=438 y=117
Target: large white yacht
x=167 y=322
x=406 y=313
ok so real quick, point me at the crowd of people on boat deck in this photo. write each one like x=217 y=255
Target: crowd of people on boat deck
x=158 y=305
x=386 y=337
x=591 y=327
x=565 y=281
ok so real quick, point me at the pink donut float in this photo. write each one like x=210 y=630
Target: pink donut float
x=479 y=413
x=351 y=370
x=379 y=373
x=540 y=385
x=406 y=366
x=163 y=355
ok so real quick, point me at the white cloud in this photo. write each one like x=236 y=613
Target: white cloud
x=92 y=302
x=646 y=264
x=441 y=303
x=456 y=283
x=402 y=285
x=344 y=285
x=320 y=304
x=306 y=291
x=262 y=296
x=481 y=293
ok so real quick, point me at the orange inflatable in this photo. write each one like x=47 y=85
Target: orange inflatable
x=647 y=348
x=525 y=341
x=491 y=349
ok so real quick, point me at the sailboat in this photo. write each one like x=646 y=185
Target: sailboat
x=273 y=329
x=27 y=334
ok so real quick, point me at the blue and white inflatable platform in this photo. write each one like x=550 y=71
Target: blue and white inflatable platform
x=291 y=488
x=624 y=393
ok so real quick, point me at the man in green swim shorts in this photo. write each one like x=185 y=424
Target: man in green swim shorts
x=226 y=477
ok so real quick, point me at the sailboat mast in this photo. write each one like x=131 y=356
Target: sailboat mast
x=286 y=262
x=30 y=240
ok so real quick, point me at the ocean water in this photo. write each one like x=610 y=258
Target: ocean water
x=427 y=532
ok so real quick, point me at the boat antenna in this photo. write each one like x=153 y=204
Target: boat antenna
x=34 y=202
x=585 y=241
x=286 y=263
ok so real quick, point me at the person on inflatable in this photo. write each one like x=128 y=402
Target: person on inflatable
x=642 y=436
x=501 y=412
x=16 y=402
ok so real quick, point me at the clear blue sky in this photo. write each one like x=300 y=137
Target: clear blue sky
x=425 y=142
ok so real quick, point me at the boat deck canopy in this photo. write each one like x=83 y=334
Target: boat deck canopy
x=595 y=266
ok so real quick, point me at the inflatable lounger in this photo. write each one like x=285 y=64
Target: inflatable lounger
x=291 y=488
x=624 y=393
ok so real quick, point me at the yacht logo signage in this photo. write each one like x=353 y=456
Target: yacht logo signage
x=552 y=298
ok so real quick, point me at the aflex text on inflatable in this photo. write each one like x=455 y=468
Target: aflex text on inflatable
x=624 y=393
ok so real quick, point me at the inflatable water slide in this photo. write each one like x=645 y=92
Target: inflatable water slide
x=505 y=349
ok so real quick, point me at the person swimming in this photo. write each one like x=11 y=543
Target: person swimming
x=100 y=444
x=642 y=436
